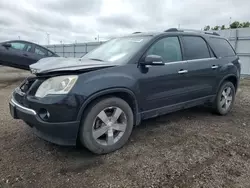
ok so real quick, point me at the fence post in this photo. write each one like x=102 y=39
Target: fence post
x=74 y=50
x=86 y=48
x=236 y=40
x=63 y=50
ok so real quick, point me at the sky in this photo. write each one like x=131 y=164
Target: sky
x=70 y=21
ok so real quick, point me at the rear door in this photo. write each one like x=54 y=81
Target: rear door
x=202 y=66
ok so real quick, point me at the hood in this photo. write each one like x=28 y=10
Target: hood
x=54 y=64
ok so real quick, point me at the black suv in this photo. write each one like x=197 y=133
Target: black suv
x=97 y=99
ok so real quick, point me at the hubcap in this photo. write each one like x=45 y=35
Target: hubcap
x=226 y=98
x=109 y=126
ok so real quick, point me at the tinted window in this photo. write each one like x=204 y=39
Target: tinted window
x=40 y=51
x=28 y=48
x=195 y=48
x=222 y=47
x=168 y=48
x=17 y=45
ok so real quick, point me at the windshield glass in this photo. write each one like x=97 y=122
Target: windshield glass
x=117 y=50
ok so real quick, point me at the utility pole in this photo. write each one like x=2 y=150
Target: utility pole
x=179 y=26
x=19 y=37
x=48 y=37
x=97 y=38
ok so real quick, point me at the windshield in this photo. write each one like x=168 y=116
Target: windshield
x=118 y=50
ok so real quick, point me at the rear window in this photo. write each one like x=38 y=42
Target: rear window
x=195 y=48
x=222 y=47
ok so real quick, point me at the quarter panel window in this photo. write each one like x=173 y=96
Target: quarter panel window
x=168 y=48
x=222 y=47
x=195 y=48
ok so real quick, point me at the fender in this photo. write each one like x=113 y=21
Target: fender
x=94 y=96
x=226 y=77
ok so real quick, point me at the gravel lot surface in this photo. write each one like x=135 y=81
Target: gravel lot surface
x=191 y=148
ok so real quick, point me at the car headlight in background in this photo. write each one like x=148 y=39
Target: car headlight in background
x=56 y=85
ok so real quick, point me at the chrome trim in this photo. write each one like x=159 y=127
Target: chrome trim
x=182 y=71
x=27 y=110
x=174 y=62
x=203 y=59
x=215 y=67
x=185 y=61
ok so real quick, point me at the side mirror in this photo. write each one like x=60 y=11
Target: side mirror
x=6 y=45
x=153 y=60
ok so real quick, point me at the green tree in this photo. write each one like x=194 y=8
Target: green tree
x=223 y=27
x=216 y=27
x=245 y=24
x=206 y=28
x=235 y=25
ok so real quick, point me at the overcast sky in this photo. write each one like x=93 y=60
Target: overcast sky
x=82 y=20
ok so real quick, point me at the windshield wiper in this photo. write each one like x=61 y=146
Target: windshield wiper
x=96 y=59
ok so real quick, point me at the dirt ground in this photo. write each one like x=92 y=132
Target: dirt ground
x=191 y=148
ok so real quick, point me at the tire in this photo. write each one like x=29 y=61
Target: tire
x=89 y=123
x=220 y=99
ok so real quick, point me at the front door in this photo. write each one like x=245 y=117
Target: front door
x=162 y=86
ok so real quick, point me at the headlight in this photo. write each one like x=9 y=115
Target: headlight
x=56 y=85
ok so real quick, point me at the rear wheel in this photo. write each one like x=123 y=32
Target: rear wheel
x=225 y=98
x=107 y=125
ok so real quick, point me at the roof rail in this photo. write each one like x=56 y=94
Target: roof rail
x=171 y=30
x=192 y=30
x=136 y=32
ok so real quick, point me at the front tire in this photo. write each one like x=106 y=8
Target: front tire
x=225 y=98
x=106 y=125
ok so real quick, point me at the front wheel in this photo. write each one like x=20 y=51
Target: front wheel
x=225 y=98
x=107 y=125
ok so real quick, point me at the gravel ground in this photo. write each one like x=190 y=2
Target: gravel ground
x=191 y=148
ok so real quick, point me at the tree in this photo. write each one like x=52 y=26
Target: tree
x=245 y=24
x=216 y=28
x=206 y=28
x=235 y=25
x=223 y=27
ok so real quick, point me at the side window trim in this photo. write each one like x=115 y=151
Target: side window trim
x=160 y=38
x=207 y=44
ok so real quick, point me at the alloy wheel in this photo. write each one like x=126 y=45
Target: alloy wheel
x=109 y=126
x=226 y=98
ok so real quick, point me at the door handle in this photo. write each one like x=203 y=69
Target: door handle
x=182 y=71
x=25 y=55
x=214 y=67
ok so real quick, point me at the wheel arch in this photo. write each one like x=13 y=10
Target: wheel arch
x=232 y=78
x=123 y=93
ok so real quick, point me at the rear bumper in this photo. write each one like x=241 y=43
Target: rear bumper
x=63 y=133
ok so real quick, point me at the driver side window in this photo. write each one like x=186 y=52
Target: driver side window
x=17 y=45
x=168 y=48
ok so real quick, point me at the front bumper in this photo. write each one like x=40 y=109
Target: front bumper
x=63 y=133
